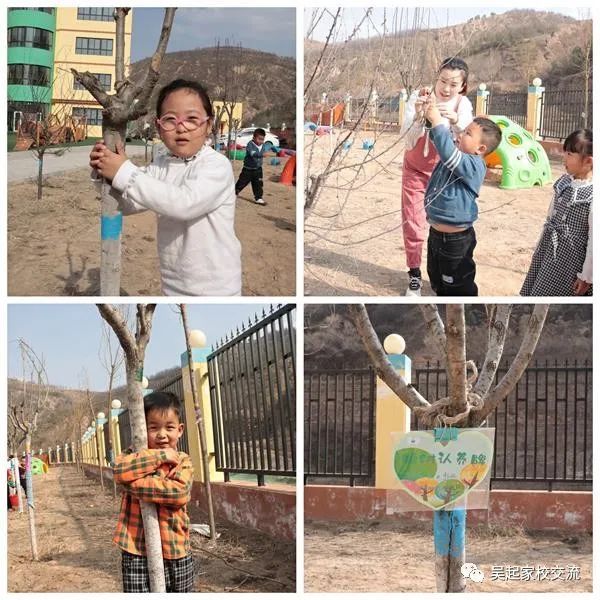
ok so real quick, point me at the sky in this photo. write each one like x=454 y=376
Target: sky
x=267 y=29
x=68 y=336
x=439 y=17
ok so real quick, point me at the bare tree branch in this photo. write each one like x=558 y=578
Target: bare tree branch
x=498 y=317
x=114 y=318
x=405 y=391
x=435 y=326
x=456 y=353
x=518 y=365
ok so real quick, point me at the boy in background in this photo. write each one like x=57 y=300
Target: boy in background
x=252 y=169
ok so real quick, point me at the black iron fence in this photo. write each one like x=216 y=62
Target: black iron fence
x=543 y=428
x=511 y=104
x=175 y=386
x=564 y=111
x=252 y=380
x=339 y=425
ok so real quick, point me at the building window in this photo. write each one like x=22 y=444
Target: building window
x=46 y=10
x=95 y=14
x=93 y=115
x=28 y=75
x=98 y=46
x=30 y=37
x=105 y=80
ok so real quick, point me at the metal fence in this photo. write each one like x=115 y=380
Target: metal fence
x=252 y=390
x=564 y=111
x=543 y=428
x=339 y=425
x=175 y=386
x=511 y=104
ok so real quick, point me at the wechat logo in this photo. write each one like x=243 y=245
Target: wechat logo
x=471 y=571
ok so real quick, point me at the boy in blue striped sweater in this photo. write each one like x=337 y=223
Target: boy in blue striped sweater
x=252 y=169
x=451 y=202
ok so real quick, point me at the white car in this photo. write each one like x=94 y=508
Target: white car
x=245 y=135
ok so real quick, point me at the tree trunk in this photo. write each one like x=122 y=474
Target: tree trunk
x=139 y=440
x=111 y=223
x=40 y=177
x=456 y=358
x=110 y=451
x=201 y=428
x=30 y=504
x=449 y=530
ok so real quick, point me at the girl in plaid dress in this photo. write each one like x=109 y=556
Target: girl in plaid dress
x=562 y=262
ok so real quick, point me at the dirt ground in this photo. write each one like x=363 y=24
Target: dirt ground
x=396 y=557
x=54 y=246
x=75 y=522
x=353 y=241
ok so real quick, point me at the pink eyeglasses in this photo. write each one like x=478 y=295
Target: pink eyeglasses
x=170 y=123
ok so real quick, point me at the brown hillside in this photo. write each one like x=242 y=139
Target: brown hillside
x=505 y=51
x=56 y=422
x=268 y=81
x=330 y=340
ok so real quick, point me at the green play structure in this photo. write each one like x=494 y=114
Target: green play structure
x=523 y=160
x=38 y=466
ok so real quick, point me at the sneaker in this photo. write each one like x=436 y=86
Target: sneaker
x=414 y=286
x=259 y=201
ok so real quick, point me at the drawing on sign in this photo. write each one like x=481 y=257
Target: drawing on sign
x=440 y=467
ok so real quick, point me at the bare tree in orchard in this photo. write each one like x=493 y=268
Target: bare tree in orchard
x=90 y=403
x=23 y=410
x=134 y=349
x=111 y=358
x=229 y=61
x=200 y=423
x=472 y=397
x=129 y=102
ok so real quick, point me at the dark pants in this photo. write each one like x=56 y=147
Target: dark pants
x=253 y=176
x=450 y=263
x=179 y=574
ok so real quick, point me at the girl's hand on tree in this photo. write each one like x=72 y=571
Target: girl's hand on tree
x=580 y=287
x=451 y=115
x=106 y=162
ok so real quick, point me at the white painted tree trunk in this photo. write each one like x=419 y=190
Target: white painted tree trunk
x=139 y=439
x=30 y=503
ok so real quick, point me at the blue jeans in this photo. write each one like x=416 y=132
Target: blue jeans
x=450 y=263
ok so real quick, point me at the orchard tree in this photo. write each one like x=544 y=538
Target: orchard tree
x=471 y=398
x=129 y=102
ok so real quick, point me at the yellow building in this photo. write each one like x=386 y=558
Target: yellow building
x=223 y=117
x=85 y=41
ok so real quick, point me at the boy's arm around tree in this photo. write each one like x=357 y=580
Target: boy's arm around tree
x=166 y=486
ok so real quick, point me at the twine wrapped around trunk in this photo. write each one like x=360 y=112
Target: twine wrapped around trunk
x=435 y=413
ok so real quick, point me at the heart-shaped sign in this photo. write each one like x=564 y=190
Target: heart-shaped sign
x=438 y=469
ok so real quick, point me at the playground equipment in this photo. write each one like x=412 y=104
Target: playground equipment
x=333 y=116
x=38 y=466
x=523 y=160
x=237 y=154
x=33 y=132
x=288 y=175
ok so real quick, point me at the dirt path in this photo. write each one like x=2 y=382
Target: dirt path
x=54 y=248
x=75 y=523
x=392 y=557
x=353 y=241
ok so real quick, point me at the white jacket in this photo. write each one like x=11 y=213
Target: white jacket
x=194 y=200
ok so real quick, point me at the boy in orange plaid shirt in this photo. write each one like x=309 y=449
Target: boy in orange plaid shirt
x=163 y=476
